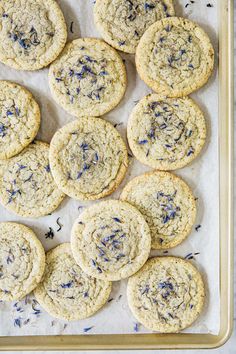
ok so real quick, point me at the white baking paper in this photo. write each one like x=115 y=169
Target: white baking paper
x=23 y=318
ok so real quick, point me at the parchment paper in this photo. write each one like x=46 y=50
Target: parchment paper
x=28 y=318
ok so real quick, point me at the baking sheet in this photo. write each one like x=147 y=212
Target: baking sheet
x=27 y=317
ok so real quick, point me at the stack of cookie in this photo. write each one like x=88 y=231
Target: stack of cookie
x=87 y=160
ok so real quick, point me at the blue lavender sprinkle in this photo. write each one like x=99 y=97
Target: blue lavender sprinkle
x=116 y=220
x=121 y=43
x=136 y=327
x=149 y=6
x=89 y=59
x=87 y=329
x=190 y=152
x=86 y=167
x=17 y=111
x=71 y=72
x=9 y=113
x=121 y=255
x=86 y=294
x=67 y=285
x=21 y=167
x=142 y=142
x=2 y=130
x=17 y=322
x=103 y=73
x=165 y=285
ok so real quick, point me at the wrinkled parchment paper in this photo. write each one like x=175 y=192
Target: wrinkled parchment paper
x=28 y=318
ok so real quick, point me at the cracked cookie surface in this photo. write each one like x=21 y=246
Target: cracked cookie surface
x=123 y=22
x=167 y=204
x=111 y=240
x=166 y=133
x=22 y=261
x=19 y=118
x=65 y=291
x=32 y=33
x=27 y=187
x=166 y=295
x=175 y=57
x=89 y=78
x=88 y=158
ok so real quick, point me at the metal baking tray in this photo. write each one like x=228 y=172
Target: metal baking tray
x=181 y=340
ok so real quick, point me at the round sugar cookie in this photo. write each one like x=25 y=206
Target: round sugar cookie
x=27 y=187
x=175 y=57
x=22 y=261
x=19 y=119
x=122 y=22
x=111 y=240
x=166 y=202
x=88 y=158
x=65 y=291
x=32 y=33
x=89 y=78
x=166 y=133
x=166 y=295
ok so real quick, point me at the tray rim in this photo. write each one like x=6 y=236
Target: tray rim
x=181 y=340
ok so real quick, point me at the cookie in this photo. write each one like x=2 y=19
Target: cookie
x=19 y=119
x=32 y=33
x=22 y=261
x=122 y=22
x=89 y=78
x=166 y=133
x=111 y=240
x=88 y=158
x=27 y=187
x=65 y=291
x=167 y=204
x=166 y=295
x=175 y=57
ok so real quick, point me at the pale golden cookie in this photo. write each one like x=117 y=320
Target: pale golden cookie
x=32 y=33
x=166 y=133
x=65 y=291
x=166 y=295
x=88 y=158
x=19 y=119
x=175 y=57
x=111 y=240
x=27 y=187
x=89 y=78
x=166 y=202
x=22 y=261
